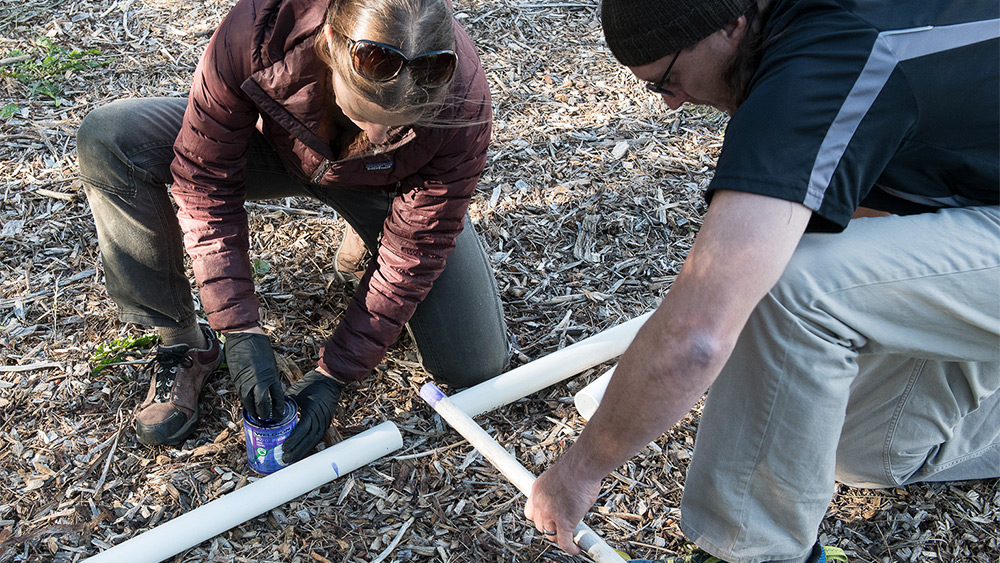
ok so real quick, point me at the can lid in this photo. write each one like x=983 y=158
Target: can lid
x=291 y=409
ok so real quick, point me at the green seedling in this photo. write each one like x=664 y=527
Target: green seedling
x=47 y=66
x=116 y=350
x=8 y=111
x=260 y=268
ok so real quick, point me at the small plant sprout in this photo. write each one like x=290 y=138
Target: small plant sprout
x=109 y=354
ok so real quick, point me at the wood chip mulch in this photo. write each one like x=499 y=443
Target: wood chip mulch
x=589 y=203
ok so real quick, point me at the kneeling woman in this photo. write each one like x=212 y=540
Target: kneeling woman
x=378 y=108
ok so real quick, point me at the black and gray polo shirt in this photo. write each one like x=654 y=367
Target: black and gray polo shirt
x=889 y=104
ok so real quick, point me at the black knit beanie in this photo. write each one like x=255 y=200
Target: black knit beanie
x=640 y=32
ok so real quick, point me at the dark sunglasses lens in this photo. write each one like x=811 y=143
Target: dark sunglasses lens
x=376 y=62
x=434 y=69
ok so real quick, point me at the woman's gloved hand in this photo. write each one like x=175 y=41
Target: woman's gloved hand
x=317 y=396
x=251 y=363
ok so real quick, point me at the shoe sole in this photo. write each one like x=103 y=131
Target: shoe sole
x=149 y=436
x=347 y=278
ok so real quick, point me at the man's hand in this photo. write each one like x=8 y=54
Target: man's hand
x=317 y=395
x=251 y=363
x=559 y=499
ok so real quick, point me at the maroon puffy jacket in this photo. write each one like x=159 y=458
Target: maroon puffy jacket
x=261 y=71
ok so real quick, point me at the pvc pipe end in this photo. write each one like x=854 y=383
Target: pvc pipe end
x=589 y=398
x=430 y=393
x=586 y=404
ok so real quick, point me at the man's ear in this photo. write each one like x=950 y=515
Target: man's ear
x=734 y=30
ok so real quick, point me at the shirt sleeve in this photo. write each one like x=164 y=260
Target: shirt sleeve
x=814 y=128
x=209 y=170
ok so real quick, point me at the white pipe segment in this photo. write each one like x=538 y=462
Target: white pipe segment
x=210 y=520
x=589 y=398
x=549 y=370
x=508 y=465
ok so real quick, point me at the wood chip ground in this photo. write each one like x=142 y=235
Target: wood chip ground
x=589 y=202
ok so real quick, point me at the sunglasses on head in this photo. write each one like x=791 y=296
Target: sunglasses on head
x=380 y=62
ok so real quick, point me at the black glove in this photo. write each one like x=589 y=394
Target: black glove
x=251 y=363
x=317 y=396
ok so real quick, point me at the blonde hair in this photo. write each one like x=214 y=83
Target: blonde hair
x=414 y=26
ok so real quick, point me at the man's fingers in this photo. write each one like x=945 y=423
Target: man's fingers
x=564 y=538
x=550 y=530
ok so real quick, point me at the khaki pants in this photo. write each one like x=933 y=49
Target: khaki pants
x=874 y=361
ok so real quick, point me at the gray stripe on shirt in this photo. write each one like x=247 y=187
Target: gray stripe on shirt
x=889 y=49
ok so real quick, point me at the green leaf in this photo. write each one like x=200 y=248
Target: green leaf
x=260 y=267
x=45 y=72
x=114 y=351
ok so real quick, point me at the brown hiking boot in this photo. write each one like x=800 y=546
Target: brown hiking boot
x=171 y=407
x=351 y=259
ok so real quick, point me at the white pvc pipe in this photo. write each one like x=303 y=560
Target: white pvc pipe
x=549 y=370
x=508 y=465
x=210 y=520
x=589 y=398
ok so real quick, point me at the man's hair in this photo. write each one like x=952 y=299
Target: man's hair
x=414 y=26
x=748 y=53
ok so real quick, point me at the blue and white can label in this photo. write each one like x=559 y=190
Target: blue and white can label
x=264 y=438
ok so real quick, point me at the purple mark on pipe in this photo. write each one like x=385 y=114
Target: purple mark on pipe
x=430 y=393
x=336 y=470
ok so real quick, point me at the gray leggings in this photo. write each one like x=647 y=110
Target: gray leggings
x=873 y=361
x=125 y=150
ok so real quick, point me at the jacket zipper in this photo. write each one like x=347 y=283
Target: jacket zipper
x=320 y=171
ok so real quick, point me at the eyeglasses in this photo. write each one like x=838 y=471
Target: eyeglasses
x=381 y=63
x=658 y=87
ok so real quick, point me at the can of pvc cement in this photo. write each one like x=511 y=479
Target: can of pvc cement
x=264 y=438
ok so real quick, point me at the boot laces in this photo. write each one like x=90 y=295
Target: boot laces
x=166 y=364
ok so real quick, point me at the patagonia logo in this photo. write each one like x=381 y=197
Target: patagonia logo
x=379 y=166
